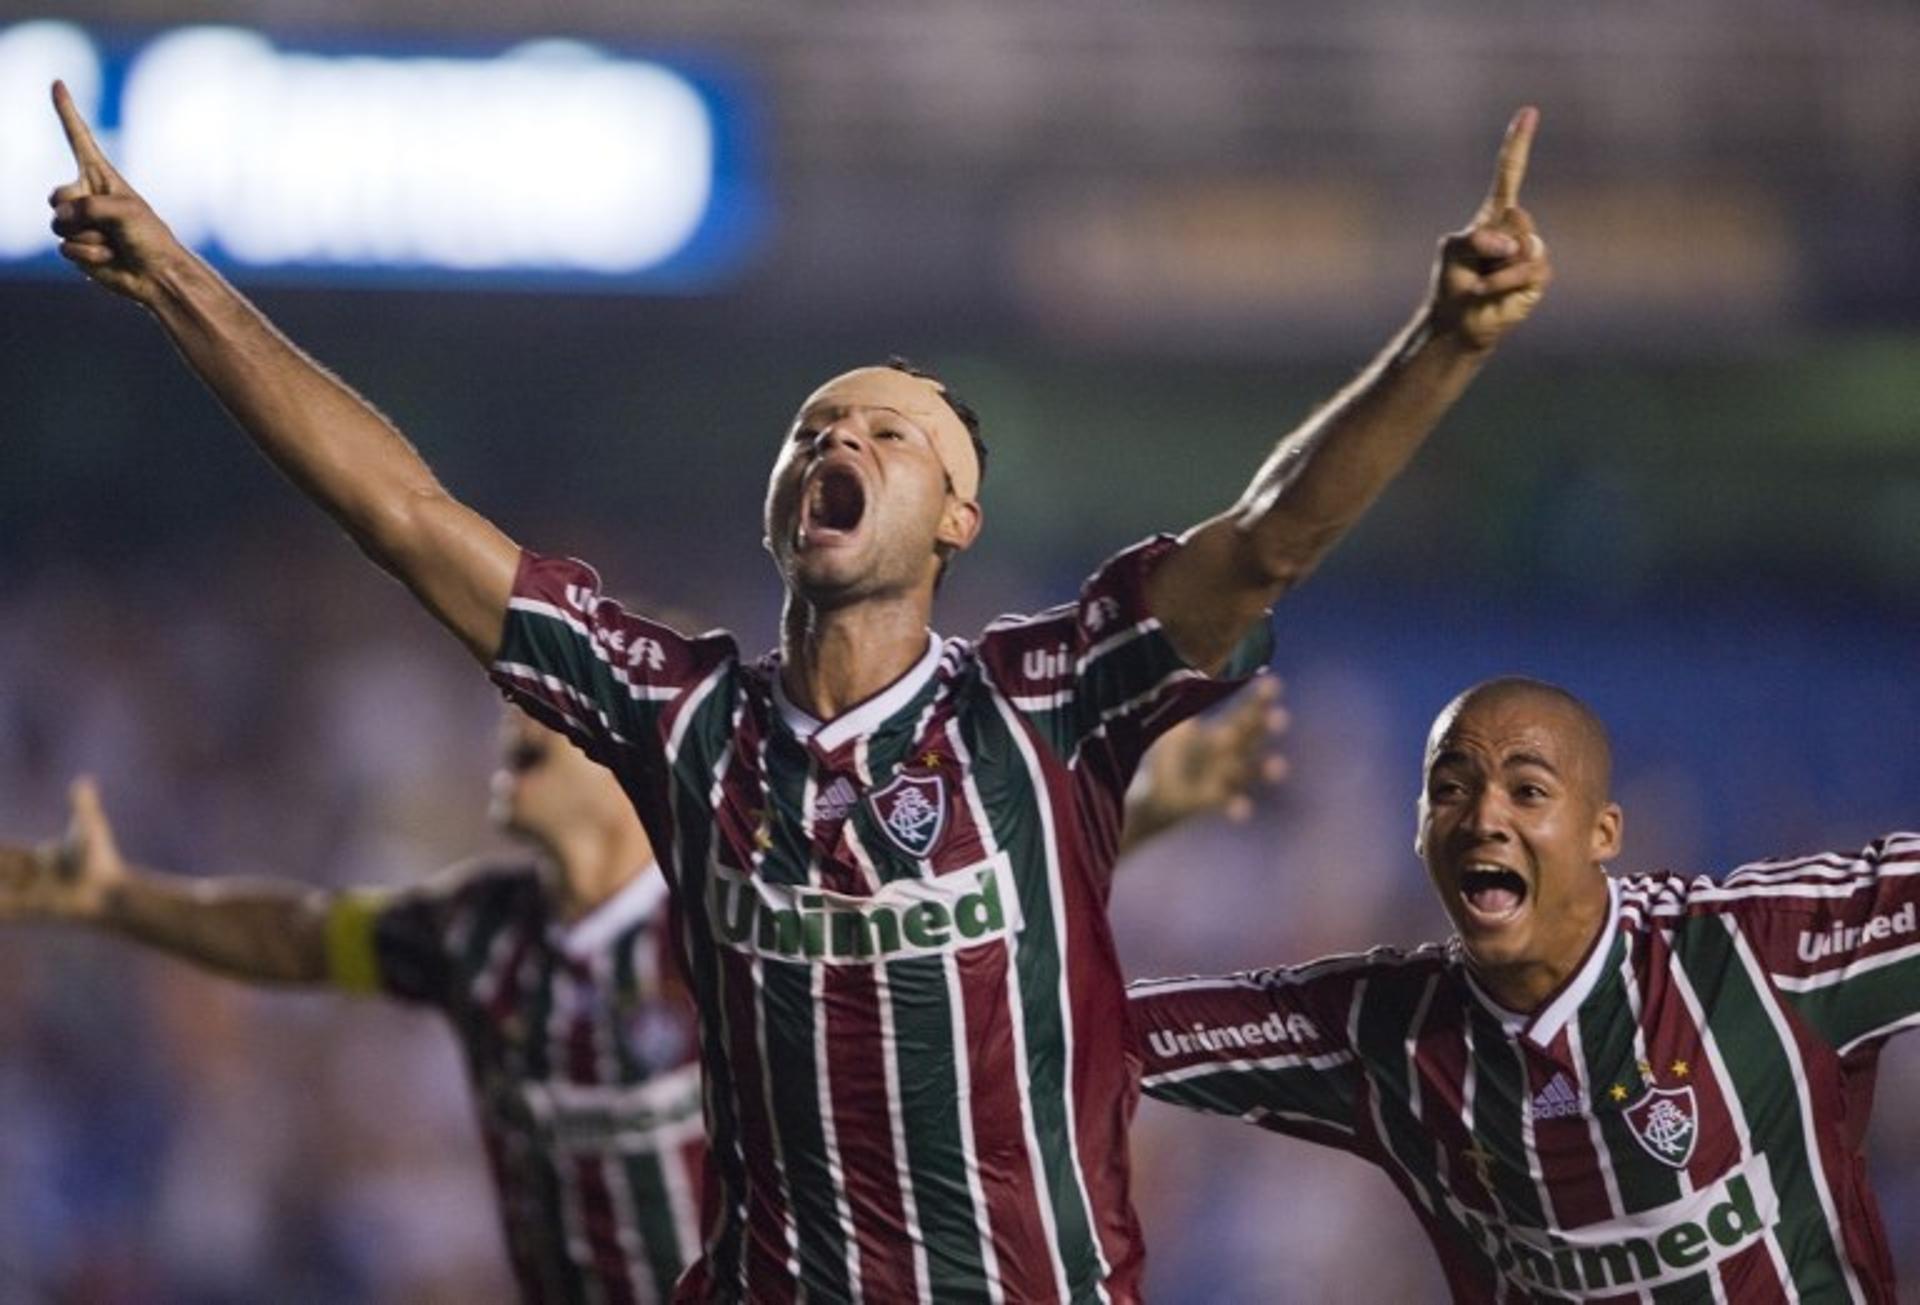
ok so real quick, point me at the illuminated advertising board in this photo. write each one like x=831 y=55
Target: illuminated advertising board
x=549 y=163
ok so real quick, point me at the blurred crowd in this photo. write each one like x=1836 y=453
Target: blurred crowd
x=173 y=1137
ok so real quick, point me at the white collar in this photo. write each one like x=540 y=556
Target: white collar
x=1544 y=1025
x=633 y=902
x=866 y=717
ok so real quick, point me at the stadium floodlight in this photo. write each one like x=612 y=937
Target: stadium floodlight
x=550 y=159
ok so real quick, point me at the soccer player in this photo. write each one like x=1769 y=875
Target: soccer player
x=555 y=968
x=890 y=852
x=1643 y=1087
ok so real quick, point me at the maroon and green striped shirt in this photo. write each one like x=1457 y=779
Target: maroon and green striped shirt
x=1683 y=1121
x=580 y=1044
x=912 y=1022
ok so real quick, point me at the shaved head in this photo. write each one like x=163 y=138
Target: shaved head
x=1577 y=724
x=1516 y=829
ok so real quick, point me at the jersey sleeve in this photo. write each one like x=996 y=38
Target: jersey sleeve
x=395 y=943
x=405 y=942
x=1268 y=1046
x=1840 y=936
x=611 y=681
x=1099 y=679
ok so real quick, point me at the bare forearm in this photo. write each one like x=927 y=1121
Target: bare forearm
x=257 y=930
x=1324 y=475
x=340 y=452
x=1308 y=492
x=1319 y=479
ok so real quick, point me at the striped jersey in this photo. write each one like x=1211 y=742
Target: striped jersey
x=1682 y=1121
x=580 y=1043
x=912 y=1023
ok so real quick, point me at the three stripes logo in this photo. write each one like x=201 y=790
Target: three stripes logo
x=1557 y=1100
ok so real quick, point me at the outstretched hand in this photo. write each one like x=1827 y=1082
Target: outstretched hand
x=1203 y=767
x=69 y=879
x=106 y=229
x=1490 y=275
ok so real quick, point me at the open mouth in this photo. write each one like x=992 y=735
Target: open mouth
x=836 y=503
x=1493 y=894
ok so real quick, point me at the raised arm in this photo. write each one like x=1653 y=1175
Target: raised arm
x=1322 y=476
x=328 y=440
x=258 y=930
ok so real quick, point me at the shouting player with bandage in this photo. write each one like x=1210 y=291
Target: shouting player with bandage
x=890 y=851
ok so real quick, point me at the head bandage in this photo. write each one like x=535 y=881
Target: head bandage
x=919 y=401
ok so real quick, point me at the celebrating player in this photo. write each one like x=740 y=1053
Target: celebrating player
x=1601 y=1087
x=890 y=852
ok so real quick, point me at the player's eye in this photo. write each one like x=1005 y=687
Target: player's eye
x=887 y=433
x=524 y=757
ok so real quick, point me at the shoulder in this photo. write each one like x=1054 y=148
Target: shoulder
x=1777 y=885
x=1037 y=653
x=1392 y=964
x=480 y=879
x=1657 y=898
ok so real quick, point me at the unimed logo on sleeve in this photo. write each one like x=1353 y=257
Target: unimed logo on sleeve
x=909 y=917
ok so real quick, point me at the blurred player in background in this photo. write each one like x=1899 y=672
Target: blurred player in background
x=555 y=968
x=890 y=852
x=1646 y=1087
x=556 y=971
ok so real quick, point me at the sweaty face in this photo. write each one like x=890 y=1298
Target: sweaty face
x=543 y=783
x=1514 y=827
x=875 y=472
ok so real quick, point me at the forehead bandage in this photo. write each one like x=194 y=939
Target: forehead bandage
x=919 y=401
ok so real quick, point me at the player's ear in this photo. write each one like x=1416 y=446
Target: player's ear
x=1609 y=828
x=959 y=524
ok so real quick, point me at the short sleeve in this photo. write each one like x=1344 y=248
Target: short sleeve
x=413 y=943
x=1839 y=934
x=611 y=681
x=1268 y=1046
x=390 y=942
x=1099 y=678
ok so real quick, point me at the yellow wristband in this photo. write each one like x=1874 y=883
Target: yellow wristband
x=352 y=963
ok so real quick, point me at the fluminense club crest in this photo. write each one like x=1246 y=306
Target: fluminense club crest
x=1666 y=1123
x=912 y=810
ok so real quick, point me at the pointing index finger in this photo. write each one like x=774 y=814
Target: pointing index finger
x=94 y=168
x=1511 y=167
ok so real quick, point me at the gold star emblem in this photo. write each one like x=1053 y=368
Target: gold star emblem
x=763 y=833
x=1482 y=1161
x=1680 y=1069
x=1618 y=1092
x=931 y=759
x=1646 y=1072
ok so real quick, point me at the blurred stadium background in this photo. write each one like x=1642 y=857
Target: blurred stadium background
x=1143 y=239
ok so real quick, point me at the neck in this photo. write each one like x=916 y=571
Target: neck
x=595 y=862
x=833 y=659
x=1525 y=985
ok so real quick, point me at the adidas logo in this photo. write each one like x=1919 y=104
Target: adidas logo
x=835 y=801
x=1557 y=1100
